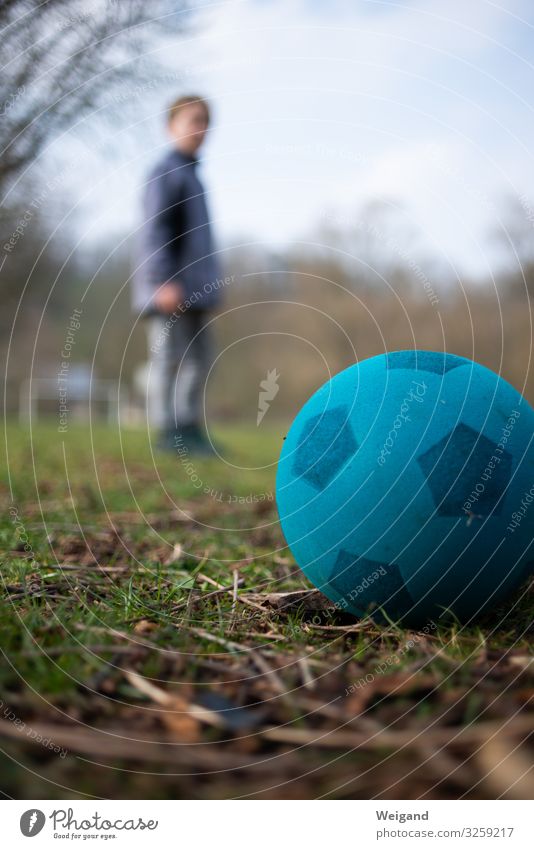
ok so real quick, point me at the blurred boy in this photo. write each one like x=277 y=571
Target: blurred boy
x=176 y=282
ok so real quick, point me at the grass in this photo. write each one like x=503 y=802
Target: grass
x=149 y=653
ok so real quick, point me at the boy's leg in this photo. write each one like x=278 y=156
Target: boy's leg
x=198 y=363
x=161 y=374
x=181 y=354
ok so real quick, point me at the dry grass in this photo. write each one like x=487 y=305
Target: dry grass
x=175 y=651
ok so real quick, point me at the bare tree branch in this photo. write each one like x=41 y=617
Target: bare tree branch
x=61 y=58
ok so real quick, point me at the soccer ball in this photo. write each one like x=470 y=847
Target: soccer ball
x=404 y=488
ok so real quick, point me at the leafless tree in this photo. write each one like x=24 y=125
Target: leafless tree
x=59 y=58
x=515 y=238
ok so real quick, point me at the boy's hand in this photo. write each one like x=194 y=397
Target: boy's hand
x=169 y=297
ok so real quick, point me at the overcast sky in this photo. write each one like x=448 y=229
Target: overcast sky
x=322 y=106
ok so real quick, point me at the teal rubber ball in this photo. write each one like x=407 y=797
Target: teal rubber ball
x=405 y=488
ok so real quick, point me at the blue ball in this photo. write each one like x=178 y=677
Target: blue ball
x=404 y=488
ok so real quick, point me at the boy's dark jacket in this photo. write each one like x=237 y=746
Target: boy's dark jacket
x=175 y=242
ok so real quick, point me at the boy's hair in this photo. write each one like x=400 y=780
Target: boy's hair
x=187 y=100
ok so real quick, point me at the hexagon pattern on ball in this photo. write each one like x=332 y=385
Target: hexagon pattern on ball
x=410 y=464
x=325 y=445
x=439 y=363
x=449 y=480
x=354 y=577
